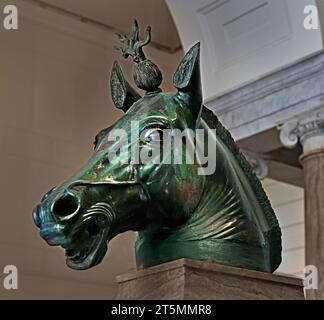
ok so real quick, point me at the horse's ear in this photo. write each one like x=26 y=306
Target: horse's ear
x=123 y=95
x=187 y=80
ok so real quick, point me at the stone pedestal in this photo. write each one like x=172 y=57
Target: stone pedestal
x=197 y=280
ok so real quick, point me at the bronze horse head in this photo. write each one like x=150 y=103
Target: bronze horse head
x=223 y=216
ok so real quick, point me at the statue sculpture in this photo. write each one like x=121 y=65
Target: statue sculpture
x=223 y=217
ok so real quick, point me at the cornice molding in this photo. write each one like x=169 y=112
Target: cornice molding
x=272 y=100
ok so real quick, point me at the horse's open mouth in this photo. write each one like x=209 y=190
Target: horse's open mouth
x=89 y=246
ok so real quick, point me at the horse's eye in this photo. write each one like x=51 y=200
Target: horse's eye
x=152 y=135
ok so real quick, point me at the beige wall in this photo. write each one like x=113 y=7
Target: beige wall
x=54 y=98
x=288 y=204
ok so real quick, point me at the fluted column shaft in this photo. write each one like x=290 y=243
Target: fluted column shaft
x=310 y=133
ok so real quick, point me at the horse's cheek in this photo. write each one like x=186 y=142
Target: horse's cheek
x=190 y=195
x=183 y=196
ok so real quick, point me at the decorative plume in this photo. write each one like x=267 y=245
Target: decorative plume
x=134 y=46
x=147 y=75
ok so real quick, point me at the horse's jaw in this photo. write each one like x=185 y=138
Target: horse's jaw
x=82 y=256
x=84 y=236
x=90 y=237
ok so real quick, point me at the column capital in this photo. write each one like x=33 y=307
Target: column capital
x=308 y=130
x=258 y=164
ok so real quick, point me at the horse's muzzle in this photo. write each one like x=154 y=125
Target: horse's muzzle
x=63 y=208
x=82 y=232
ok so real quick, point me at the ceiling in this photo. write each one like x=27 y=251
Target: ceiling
x=119 y=14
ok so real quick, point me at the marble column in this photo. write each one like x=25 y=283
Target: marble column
x=310 y=133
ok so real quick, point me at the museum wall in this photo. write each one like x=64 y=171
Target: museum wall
x=54 y=98
x=245 y=40
x=288 y=203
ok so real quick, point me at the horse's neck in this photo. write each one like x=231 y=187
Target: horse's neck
x=233 y=223
x=219 y=214
x=228 y=208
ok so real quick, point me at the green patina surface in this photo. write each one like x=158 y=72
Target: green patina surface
x=223 y=217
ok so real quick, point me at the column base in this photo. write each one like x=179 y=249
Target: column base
x=186 y=279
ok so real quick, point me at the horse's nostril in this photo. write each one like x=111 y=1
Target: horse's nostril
x=66 y=205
